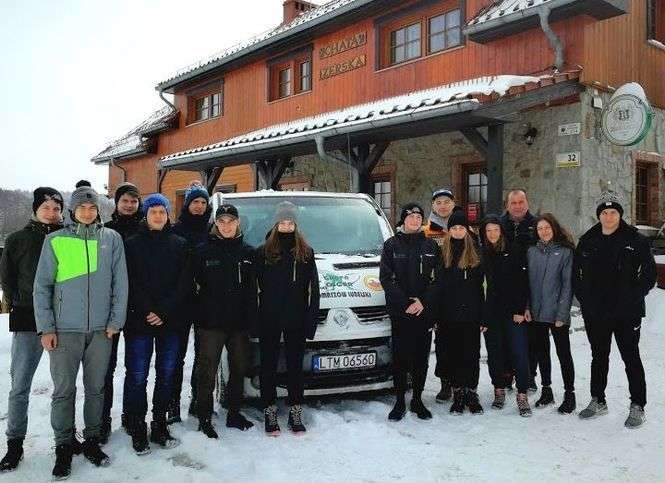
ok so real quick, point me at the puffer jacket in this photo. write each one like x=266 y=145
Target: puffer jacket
x=550 y=282
x=81 y=280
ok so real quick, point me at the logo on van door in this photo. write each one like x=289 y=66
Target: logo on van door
x=373 y=283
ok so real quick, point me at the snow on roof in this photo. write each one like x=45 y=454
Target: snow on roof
x=133 y=142
x=308 y=16
x=503 y=8
x=434 y=98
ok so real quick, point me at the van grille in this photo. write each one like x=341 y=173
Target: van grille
x=368 y=315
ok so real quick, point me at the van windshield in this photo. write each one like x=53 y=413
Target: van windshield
x=330 y=225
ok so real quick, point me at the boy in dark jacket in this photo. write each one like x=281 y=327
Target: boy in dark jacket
x=612 y=273
x=224 y=272
x=159 y=282
x=408 y=265
x=17 y=274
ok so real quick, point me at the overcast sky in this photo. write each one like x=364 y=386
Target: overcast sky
x=76 y=74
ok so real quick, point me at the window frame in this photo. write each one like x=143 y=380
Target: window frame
x=655 y=12
x=443 y=32
x=293 y=62
x=205 y=94
x=469 y=169
x=385 y=174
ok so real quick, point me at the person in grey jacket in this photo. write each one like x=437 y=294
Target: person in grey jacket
x=550 y=265
x=80 y=300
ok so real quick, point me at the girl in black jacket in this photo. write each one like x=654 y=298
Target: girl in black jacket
x=462 y=299
x=288 y=286
x=408 y=266
x=507 y=293
x=224 y=271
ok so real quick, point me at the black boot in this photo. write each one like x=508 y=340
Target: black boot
x=399 y=409
x=457 y=406
x=271 y=424
x=295 y=419
x=159 y=434
x=63 y=462
x=472 y=402
x=138 y=430
x=417 y=406
x=14 y=455
x=234 y=419
x=206 y=427
x=568 y=405
x=94 y=453
x=173 y=412
x=77 y=445
x=105 y=431
x=124 y=422
x=546 y=397
x=445 y=393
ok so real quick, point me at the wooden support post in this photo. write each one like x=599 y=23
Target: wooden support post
x=270 y=172
x=495 y=168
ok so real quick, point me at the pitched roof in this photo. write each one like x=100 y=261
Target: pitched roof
x=134 y=142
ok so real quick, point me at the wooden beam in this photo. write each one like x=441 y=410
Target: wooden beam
x=213 y=175
x=495 y=168
x=476 y=139
x=161 y=174
x=270 y=172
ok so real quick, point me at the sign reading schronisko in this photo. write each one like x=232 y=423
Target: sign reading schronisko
x=628 y=116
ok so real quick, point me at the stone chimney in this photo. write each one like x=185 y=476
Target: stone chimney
x=293 y=8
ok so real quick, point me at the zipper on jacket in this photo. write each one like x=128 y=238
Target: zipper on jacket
x=87 y=261
x=465 y=274
x=294 y=269
x=239 y=274
x=421 y=264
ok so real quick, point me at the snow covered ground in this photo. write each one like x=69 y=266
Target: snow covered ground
x=351 y=440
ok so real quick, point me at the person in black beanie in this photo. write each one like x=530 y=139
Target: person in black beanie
x=17 y=273
x=409 y=262
x=224 y=272
x=288 y=286
x=125 y=220
x=613 y=270
x=193 y=225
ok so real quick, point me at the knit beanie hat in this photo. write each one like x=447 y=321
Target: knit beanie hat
x=84 y=194
x=609 y=199
x=156 y=199
x=44 y=194
x=226 y=210
x=194 y=192
x=410 y=209
x=458 y=217
x=286 y=211
x=82 y=182
x=442 y=192
x=124 y=189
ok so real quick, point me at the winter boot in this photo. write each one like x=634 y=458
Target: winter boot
x=399 y=409
x=295 y=419
x=533 y=387
x=77 y=445
x=139 y=434
x=234 y=419
x=636 y=416
x=595 y=408
x=159 y=434
x=445 y=393
x=14 y=455
x=499 y=398
x=523 y=405
x=173 y=412
x=546 y=397
x=105 y=431
x=458 y=401
x=63 y=462
x=417 y=406
x=206 y=427
x=94 y=453
x=568 y=405
x=124 y=422
x=271 y=424
x=472 y=402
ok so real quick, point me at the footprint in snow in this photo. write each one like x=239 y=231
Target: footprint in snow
x=184 y=460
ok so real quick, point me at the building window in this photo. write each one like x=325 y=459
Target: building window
x=475 y=192
x=444 y=31
x=383 y=194
x=290 y=75
x=656 y=21
x=418 y=34
x=206 y=106
x=642 y=194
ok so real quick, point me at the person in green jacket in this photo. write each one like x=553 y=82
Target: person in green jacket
x=80 y=299
x=17 y=274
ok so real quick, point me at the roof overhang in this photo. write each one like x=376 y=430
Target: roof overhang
x=513 y=21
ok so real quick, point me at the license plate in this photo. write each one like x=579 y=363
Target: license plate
x=343 y=361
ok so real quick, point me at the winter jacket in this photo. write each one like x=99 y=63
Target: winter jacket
x=193 y=228
x=522 y=234
x=17 y=272
x=224 y=272
x=507 y=284
x=125 y=225
x=288 y=292
x=613 y=273
x=81 y=280
x=160 y=280
x=462 y=298
x=409 y=264
x=550 y=281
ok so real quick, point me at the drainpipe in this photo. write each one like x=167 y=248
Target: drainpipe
x=124 y=171
x=161 y=96
x=555 y=42
x=321 y=150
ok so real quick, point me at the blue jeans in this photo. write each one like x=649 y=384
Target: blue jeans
x=508 y=348
x=26 y=353
x=138 y=354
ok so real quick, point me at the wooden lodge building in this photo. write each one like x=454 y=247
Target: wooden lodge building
x=395 y=98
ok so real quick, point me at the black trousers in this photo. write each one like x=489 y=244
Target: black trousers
x=178 y=376
x=533 y=351
x=211 y=345
x=462 y=357
x=294 y=348
x=440 y=370
x=627 y=336
x=561 y=336
x=411 y=344
x=507 y=344
x=108 y=380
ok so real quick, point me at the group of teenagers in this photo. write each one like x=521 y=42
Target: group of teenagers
x=513 y=282
x=71 y=289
